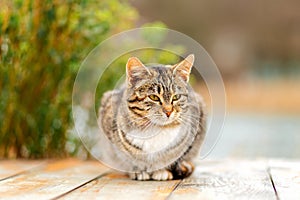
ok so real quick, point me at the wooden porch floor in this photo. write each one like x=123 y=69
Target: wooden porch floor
x=75 y=179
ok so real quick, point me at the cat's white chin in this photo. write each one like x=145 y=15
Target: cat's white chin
x=163 y=122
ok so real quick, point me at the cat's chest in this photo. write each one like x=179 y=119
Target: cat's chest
x=156 y=139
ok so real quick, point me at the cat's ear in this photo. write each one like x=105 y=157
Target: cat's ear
x=136 y=70
x=183 y=69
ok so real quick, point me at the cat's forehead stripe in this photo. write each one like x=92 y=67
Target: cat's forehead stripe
x=164 y=76
x=163 y=83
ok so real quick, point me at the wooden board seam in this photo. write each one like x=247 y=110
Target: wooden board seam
x=40 y=166
x=179 y=182
x=83 y=184
x=272 y=182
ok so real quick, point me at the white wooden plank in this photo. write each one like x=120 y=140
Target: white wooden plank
x=9 y=168
x=286 y=178
x=117 y=186
x=51 y=181
x=227 y=180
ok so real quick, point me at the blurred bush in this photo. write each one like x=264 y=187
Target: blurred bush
x=42 y=45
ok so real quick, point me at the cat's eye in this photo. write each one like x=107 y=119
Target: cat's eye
x=176 y=97
x=154 y=97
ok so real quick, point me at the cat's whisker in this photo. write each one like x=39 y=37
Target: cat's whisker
x=146 y=126
x=188 y=120
x=137 y=120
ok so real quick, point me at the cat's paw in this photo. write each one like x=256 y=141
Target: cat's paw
x=183 y=169
x=162 y=175
x=141 y=176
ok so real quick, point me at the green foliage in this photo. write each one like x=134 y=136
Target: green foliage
x=42 y=46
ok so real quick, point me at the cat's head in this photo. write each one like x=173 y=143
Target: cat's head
x=158 y=93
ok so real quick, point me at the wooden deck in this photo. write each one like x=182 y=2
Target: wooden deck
x=75 y=179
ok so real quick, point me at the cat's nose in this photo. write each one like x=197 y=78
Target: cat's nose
x=168 y=110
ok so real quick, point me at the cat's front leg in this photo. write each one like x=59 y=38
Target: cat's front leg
x=141 y=176
x=182 y=169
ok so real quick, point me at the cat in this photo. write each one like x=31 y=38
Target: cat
x=155 y=123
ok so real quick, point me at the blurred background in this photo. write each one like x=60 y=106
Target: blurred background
x=255 y=44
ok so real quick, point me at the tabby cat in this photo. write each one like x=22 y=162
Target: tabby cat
x=155 y=123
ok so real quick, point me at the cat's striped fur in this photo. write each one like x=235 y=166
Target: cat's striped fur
x=155 y=123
